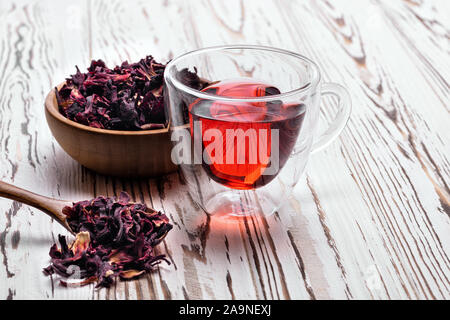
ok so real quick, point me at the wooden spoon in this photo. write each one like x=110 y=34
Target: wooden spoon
x=51 y=207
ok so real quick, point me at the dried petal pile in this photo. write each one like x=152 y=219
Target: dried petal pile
x=128 y=97
x=114 y=238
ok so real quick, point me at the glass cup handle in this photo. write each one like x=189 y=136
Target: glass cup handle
x=336 y=126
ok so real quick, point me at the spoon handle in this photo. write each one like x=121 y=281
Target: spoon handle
x=51 y=207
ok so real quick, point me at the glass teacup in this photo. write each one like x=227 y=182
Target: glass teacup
x=243 y=123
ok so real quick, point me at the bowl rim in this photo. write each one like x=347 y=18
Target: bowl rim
x=53 y=110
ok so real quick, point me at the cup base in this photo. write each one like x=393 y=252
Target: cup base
x=232 y=204
x=239 y=203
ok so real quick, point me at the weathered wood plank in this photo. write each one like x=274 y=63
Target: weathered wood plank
x=369 y=220
x=371 y=144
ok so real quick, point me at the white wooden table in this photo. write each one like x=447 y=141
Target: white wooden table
x=370 y=219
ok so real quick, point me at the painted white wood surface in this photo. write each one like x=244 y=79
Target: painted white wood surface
x=370 y=219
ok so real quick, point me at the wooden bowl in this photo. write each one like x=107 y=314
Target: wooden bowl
x=111 y=152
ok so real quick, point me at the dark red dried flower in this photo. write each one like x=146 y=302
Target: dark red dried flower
x=191 y=79
x=114 y=238
x=128 y=97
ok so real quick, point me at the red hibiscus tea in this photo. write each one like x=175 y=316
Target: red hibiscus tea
x=244 y=144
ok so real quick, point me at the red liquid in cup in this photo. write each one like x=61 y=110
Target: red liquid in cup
x=243 y=160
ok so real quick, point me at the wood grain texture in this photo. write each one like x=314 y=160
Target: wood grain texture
x=369 y=220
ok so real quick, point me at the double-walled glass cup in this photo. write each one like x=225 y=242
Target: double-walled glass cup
x=243 y=123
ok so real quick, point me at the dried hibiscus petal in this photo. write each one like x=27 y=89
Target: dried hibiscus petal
x=128 y=97
x=115 y=237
